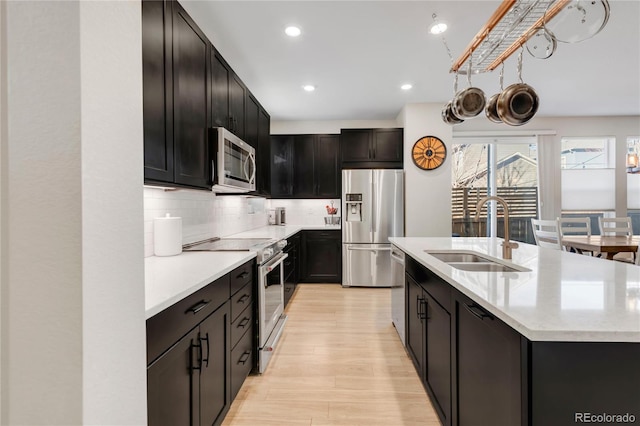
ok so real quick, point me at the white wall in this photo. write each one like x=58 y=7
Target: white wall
x=3 y=188
x=73 y=326
x=427 y=192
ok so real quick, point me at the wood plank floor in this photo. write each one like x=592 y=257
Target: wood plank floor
x=339 y=362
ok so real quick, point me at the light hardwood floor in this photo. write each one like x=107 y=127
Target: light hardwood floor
x=339 y=362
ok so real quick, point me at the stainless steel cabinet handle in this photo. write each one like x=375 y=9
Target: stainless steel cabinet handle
x=369 y=249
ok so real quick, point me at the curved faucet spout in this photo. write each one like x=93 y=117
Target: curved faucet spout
x=507 y=245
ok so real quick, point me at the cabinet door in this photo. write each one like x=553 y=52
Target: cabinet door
x=387 y=145
x=303 y=166
x=281 y=166
x=438 y=363
x=251 y=121
x=172 y=385
x=355 y=145
x=415 y=324
x=321 y=257
x=191 y=101
x=488 y=368
x=326 y=166
x=157 y=90
x=236 y=106
x=264 y=153
x=215 y=385
x=219 y=92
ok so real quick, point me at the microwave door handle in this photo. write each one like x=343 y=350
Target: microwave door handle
x=252 y=157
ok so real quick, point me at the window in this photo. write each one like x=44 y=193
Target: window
x=506 y=167
x=633 y=187
x=586 y=153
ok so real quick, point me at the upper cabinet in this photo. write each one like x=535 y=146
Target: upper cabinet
x=157 y=84
x=188 y=88
x=191 y=102
x=371 y=148
x=305 y=166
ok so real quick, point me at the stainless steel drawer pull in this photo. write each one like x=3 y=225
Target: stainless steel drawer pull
x=198 y=306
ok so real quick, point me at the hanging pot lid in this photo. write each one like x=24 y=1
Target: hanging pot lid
x=542 y=44
x=579 y=20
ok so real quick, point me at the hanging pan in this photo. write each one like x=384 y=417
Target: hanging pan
x=518 y=103
x=491 y=110
x=469 y=102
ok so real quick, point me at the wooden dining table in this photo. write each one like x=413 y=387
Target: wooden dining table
x=608 y=245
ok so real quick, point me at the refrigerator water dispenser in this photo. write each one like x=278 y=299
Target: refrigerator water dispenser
x=354 y=207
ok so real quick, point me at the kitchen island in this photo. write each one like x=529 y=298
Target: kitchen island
x=557 y=341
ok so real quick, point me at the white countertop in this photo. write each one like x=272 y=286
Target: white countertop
x=565 y=296
x=168 y=280
x=282 y=231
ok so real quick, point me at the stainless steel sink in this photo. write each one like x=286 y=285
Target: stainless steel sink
x=448 y=257
x=483 y=267
x=471 y=261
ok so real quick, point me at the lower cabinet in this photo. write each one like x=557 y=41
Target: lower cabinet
x=321 y=256
x=429 y=336
x=200 y=350
x=488 y=360
x=291 y=267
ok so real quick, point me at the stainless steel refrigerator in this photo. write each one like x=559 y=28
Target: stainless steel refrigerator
x=372 y=211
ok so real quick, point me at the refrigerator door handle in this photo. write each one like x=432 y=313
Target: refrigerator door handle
x=373 y=202
x=369 y=249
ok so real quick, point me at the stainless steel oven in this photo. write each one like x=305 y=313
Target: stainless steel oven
x=271 y=297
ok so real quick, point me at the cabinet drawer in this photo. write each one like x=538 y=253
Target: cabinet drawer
x=241 y=362
x=241 y=300
x=168 y=326
x=241 y=275
x=241 y=325
x=439 y=289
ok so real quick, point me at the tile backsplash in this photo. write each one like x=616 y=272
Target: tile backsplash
x=206 y=215
x=305 y=212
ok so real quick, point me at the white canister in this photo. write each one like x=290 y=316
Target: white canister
x=167 y=235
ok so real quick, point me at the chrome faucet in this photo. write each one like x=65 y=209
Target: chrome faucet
x=506 y=244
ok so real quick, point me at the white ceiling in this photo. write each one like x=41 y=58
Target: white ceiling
x=358 y=53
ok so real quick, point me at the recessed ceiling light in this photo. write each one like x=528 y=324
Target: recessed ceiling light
x=292 y=31
x=309 y=87
x=406 y=86
x=438 y=28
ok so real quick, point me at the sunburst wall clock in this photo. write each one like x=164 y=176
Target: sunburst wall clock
x=428 y=153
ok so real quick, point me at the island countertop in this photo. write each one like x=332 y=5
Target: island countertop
x=564 y=297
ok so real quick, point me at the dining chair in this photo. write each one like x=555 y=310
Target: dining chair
x=546 y=233
x=568 y=226
x=617 y=226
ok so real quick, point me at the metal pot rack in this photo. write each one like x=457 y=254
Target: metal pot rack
x=508 y=29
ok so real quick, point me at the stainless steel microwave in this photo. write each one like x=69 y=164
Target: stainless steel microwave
x=234 y=164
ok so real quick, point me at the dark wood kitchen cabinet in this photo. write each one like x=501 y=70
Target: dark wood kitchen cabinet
x=305 y=166
x=371 y=148
x=488 y=359
x=291 y=266
x=263 y=153
x=227 y=96
x=429 y=334
x=175 y=97
x=188 y=88
x=200 y=350
x=191 y=101
x=157 y=89
x=321 y=256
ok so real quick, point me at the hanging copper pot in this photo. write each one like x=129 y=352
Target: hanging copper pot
x=517 y=104
x=491 y=110
x=448 y=117
x=468 y=103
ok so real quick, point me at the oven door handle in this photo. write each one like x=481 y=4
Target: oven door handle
x=265 y=269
